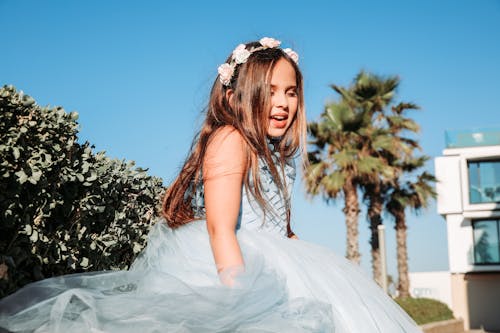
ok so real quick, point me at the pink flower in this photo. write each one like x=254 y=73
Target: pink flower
x=225 y=73
x=292 y=54
x=269 y=42
x=240 y=54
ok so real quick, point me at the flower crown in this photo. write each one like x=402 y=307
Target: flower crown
x=241 y=53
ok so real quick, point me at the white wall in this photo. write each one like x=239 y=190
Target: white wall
x=448 y=186
x=460 y=243
x=435 y=285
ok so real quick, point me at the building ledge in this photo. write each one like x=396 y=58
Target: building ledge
x=445 y=326
x=481 y=214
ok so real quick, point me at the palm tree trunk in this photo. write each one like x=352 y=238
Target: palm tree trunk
x=374 y=215
x=402 y=254
x=351 y=211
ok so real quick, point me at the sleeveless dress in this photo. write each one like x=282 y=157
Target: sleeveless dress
x=287 y=285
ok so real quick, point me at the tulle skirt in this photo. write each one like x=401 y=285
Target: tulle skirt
x=287 y=286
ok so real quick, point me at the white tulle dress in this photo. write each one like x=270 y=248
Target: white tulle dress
x=288 y=286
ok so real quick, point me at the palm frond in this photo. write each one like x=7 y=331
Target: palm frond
x=402 y=107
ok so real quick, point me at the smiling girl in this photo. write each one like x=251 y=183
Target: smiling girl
x=224 y=257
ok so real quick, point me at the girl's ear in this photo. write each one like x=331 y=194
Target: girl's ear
x=229 y=97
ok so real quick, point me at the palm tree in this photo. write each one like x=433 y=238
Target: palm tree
x=358 y=145
x=397 y=154
x=414 y=195
x=341 y=159
x=373 y=94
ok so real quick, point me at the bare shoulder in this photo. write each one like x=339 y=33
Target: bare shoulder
x=226 y=135
x=226 y=140
x=225 y=153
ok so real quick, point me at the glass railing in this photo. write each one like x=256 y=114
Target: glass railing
x=472 y=138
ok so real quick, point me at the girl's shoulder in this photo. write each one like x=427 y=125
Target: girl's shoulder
x=226 y=140
x=226 y=135
x=225 y=153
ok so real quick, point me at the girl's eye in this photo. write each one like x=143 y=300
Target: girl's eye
x=289 y=93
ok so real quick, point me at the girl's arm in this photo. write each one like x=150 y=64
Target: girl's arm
x=223 y=169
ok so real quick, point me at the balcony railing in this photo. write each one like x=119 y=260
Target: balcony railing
x=472 y=138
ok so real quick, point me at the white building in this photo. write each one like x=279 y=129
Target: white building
x=468 y=190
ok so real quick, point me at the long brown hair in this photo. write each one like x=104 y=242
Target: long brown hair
x=249 y=115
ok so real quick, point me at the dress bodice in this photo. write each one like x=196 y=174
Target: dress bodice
x=251 y=215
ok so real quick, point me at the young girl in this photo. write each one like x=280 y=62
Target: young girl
x=224 y=259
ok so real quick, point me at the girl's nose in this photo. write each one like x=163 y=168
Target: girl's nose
x=280 y=100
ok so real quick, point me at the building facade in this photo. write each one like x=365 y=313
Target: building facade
x=435 y=285
x=468 y=190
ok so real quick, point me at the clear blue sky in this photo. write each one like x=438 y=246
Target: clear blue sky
x=139 y=72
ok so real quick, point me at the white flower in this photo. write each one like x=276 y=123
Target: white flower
x=240 y=54
x=225 y=73
x=292 y=54
x=269 y=42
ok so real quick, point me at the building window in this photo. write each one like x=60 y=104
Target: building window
x=484 y=181
x=486 y=245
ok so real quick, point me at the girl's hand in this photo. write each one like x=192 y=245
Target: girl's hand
x=228 y=275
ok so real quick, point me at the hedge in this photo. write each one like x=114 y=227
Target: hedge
x=63 y=207
x=425 y=310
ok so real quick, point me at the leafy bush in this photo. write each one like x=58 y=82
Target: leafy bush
x=64 y=208
x=425 y=310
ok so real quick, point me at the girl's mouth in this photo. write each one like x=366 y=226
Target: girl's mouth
x=279 y=121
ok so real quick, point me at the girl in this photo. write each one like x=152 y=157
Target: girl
x=224 y=261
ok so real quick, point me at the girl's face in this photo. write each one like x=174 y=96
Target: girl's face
x=284 y=98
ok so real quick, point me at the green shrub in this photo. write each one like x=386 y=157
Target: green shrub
x=425 y=310
x=64 y=208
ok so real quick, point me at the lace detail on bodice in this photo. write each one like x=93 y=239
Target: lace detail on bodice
x=251 y=215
